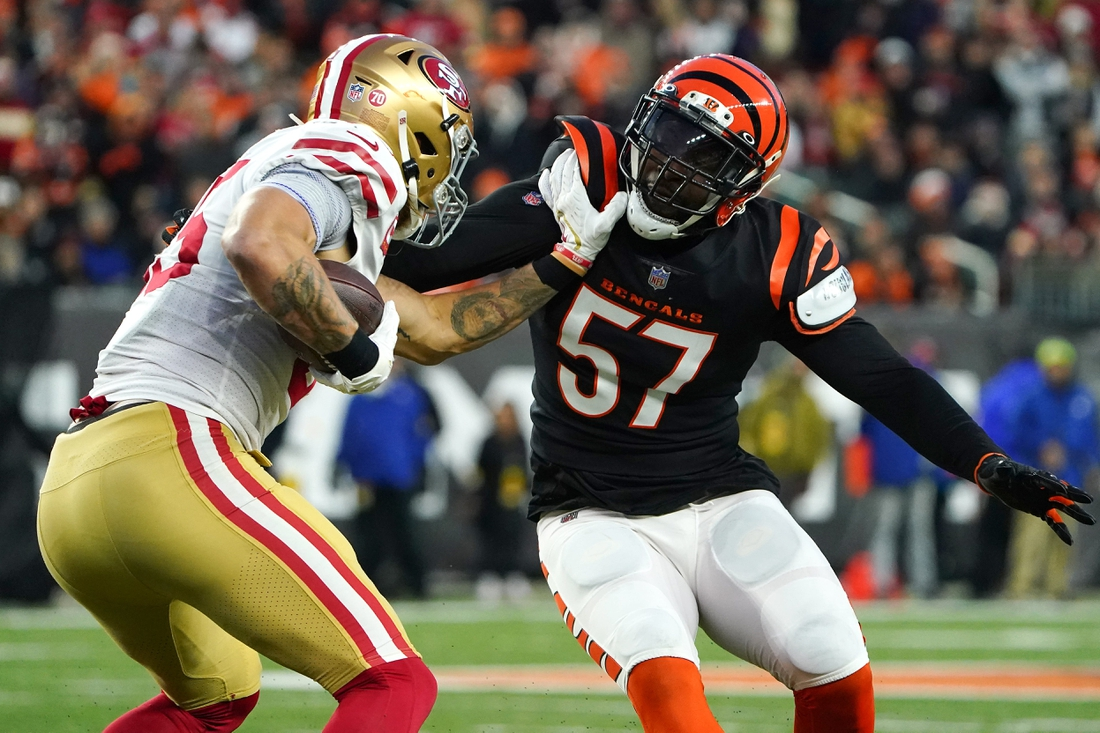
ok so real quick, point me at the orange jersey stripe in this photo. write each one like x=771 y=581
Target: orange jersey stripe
x=581 y=147
x=789 y=228
x=820 y=240
x=834 y=260
x=610 y=164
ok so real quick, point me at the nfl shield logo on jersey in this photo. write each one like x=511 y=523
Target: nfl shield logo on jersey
x=355 y=92
x=658 y=277
x=532 y=198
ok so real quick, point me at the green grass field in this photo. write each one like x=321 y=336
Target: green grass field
x=60 y=673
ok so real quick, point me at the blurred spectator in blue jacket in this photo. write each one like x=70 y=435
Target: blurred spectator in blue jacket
x=903 y=490
x=1000 y=403
x=1056 y=430
x=385 y=440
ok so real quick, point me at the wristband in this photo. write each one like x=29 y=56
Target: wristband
x=564 y=249
x=555 y=274
x=355 y=359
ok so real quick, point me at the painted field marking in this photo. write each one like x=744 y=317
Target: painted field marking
x=935 y=681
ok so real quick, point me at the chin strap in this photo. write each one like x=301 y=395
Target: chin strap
x=727 y=210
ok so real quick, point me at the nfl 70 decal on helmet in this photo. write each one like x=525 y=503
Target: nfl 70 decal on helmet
x=707 y=138
x=415 y=100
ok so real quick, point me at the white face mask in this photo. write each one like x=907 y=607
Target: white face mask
x=648 y=225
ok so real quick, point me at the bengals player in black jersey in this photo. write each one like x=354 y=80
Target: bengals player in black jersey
x=652 y=521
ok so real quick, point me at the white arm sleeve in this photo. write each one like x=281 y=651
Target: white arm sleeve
x=327 y=204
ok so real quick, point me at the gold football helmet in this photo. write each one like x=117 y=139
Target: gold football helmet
x=408 y=93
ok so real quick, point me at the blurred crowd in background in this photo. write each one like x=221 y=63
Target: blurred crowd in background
x=973 y=121
x=947 y=145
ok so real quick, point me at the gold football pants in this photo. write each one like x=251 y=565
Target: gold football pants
x=194 y=559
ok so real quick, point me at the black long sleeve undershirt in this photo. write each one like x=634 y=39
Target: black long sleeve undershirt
x=858 y=362
x=519 y=233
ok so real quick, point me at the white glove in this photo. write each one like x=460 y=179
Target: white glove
x=385 y=338
x=584 y=230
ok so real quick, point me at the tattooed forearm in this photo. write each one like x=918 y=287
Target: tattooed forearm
x=486 y=314
x=301 y=296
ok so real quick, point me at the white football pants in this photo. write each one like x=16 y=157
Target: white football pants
x=637 y=588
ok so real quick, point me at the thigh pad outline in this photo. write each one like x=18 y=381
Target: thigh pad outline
x=599 y=554
x=754 y=543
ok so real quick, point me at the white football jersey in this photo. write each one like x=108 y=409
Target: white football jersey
x=194 y=338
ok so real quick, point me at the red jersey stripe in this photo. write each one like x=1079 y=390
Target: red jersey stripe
x=364 y=183
x=342 y=146
x=300 y=382
x=387 y=182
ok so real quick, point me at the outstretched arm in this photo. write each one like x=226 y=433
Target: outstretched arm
x=859 y=363
x=435 y=327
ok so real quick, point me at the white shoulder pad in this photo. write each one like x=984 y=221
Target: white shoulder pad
x=828 y=300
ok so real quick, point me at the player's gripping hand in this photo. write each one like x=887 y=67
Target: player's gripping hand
x=1033 y=491
x=385 y=338
x=584 y=230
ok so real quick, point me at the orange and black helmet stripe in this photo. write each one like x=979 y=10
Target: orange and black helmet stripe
x=745 y=91
x=598 y=154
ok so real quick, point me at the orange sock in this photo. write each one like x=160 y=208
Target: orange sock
x=667 y=693
x=844 y=706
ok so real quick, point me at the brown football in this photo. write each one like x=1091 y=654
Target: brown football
x=359 y=296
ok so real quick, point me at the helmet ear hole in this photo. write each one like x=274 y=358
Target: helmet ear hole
x=426 y=147
x=431 y=173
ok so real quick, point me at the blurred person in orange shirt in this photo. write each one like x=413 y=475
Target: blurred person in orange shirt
x=880 y=275
x=507 y=53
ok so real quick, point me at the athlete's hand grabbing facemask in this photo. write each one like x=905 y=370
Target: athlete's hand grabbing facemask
x=584 y=230
x=385 y=338
x=1033 y=491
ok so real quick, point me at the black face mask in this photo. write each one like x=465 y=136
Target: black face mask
x=687 y=165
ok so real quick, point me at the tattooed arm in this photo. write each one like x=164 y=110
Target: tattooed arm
x=269 y=240
x=435 y=327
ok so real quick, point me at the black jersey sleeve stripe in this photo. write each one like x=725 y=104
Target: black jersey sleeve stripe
x=597 y=153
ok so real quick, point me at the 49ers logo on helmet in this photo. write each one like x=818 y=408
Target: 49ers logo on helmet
x=446 y=80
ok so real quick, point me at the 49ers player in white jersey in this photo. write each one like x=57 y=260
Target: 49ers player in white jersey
x=156 y=513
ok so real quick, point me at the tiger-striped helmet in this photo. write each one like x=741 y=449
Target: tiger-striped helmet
x=408 y=93
x=704 y=140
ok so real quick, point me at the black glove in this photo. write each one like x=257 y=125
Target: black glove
x=178 y=220
x=1033 y=491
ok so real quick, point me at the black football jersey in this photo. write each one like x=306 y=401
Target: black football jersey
x=638 y=367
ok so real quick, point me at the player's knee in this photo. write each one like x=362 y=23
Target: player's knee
x=408 y=680
x=755 y=542
x=599 y=554
x=649 y=630
x=811 y=625
x=824 y=644
x=225 y=717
